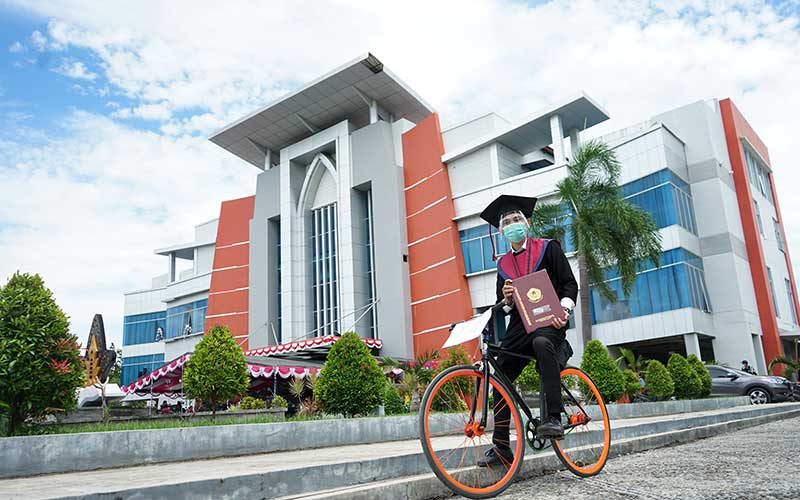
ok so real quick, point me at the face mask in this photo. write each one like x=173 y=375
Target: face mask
x=515 y=232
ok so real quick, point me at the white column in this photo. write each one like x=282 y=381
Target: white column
x=171 y=267
x=574 y=144
x=344 y=232
x=692 y=343
x=373 y=111
x=557 y=133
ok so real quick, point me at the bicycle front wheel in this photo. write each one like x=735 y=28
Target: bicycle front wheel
x=454 y=441
x=587 y=429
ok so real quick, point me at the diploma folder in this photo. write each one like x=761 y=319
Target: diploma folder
x=536 y=300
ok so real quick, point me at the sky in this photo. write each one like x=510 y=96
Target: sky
x=106 y=107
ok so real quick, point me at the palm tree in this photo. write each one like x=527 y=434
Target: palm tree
x=606 y=229
x=791 y=366
x=636 y=363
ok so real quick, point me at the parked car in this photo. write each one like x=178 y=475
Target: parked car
x=761 y=389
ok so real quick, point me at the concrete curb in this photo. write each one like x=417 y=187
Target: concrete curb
x=428 y=486
x=31 y=455
x=407 y=476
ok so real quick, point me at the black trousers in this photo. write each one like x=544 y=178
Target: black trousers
x=542 y=345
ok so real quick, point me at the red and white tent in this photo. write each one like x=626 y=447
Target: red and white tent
x=316 y=348
x=168 y=378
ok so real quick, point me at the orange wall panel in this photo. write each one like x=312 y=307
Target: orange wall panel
x=422 y=152
x=231 y=256
x=736 y=127
x=235 y=301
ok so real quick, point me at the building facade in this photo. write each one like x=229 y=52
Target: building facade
x=365 y=218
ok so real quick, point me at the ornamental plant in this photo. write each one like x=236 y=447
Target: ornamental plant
x=632 y=385
x=658 y=381
x=40 y=365
x=279 y=402
x=351 y=382
x=251 y=403
x=528 y=380
x=687 y=383
x=448 y=392
x=603 y=371
x=217 y=370
x=392 y=402
x=702 y=372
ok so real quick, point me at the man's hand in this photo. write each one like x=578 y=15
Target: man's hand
x=508 y=292
x=559 y=323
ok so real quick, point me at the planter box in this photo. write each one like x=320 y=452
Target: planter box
x=95 y=415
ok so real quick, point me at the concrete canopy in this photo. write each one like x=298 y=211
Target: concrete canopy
x=532 y=133
x=343 y=93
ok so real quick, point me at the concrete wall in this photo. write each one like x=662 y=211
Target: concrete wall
x=471 y=171
x=374 y=166
x=263 y=304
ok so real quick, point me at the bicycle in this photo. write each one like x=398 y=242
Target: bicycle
x=456 y=425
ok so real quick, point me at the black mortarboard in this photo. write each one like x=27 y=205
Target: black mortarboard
x=506 y=203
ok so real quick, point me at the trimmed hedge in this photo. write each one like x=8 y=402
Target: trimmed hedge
x=603 y=371
x=658 y=381
x=687 y=382
x=702 y=373
x=392 y=402
x=351 y=382
x=279 y=402
x=529 y=378
x=251 y=403
x=632 y=385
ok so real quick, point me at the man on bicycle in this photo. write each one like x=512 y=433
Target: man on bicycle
x=511 y=214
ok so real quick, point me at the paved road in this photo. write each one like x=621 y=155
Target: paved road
x=747 y=464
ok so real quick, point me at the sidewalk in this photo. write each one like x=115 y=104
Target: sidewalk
x=289 y=473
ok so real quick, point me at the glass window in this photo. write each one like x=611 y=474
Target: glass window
x=778 y=234
x=135 y=367
x=758 y=218
x=186 y=319
x=790 y=297
x=678 y=283
x=716 y=372
x=144 y=328
x=772 y=292
x=665 y=196
x=277 y=228
x=324 y=271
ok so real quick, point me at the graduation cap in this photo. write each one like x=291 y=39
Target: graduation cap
x=503 y=204
x=506 y=203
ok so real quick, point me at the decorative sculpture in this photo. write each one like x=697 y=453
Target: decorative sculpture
x=98 y=360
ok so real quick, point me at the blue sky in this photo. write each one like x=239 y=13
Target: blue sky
x=105 y=110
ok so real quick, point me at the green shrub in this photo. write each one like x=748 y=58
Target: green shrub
x=658 y=381
x=603 y=371
x=632 y=385
x=279 y=402
x=392 y=402
x=702 y=373
x=40 y=365
x=217 y=370
x=687 y=383
x=447 y=394
x=351 y=382
x=528 y=380
x=251 y=403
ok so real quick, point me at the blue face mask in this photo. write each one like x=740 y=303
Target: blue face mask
x=515 y=232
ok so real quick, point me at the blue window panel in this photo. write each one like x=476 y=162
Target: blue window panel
x=143 y=328
x=179 y=318
x=138 y=366
x=679 y=283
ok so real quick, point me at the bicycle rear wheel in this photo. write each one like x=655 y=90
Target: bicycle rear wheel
x=453 y=440
x=587 y=430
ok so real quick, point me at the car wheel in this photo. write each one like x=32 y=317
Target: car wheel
x=758 y=396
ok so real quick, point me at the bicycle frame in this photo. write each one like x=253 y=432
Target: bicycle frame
x=489 y=353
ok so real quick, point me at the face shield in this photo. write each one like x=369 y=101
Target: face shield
x=514 y=226
x=513 y=218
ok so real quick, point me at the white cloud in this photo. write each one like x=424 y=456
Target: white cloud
x=192 y=67
x=75 y=69
x=39 y=41
x=16 y=47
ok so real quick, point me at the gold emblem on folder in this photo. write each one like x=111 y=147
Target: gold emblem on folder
x=534 y=295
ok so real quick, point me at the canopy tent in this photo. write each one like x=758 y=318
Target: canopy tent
x=168 y=378
x=315 y=349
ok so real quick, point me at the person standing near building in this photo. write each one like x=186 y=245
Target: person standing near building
x=511 y=214
x=747 y=368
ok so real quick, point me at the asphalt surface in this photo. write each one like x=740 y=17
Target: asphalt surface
x=761 y=462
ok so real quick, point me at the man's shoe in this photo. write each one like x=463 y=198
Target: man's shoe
x=496 y=456
x=551 y=428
